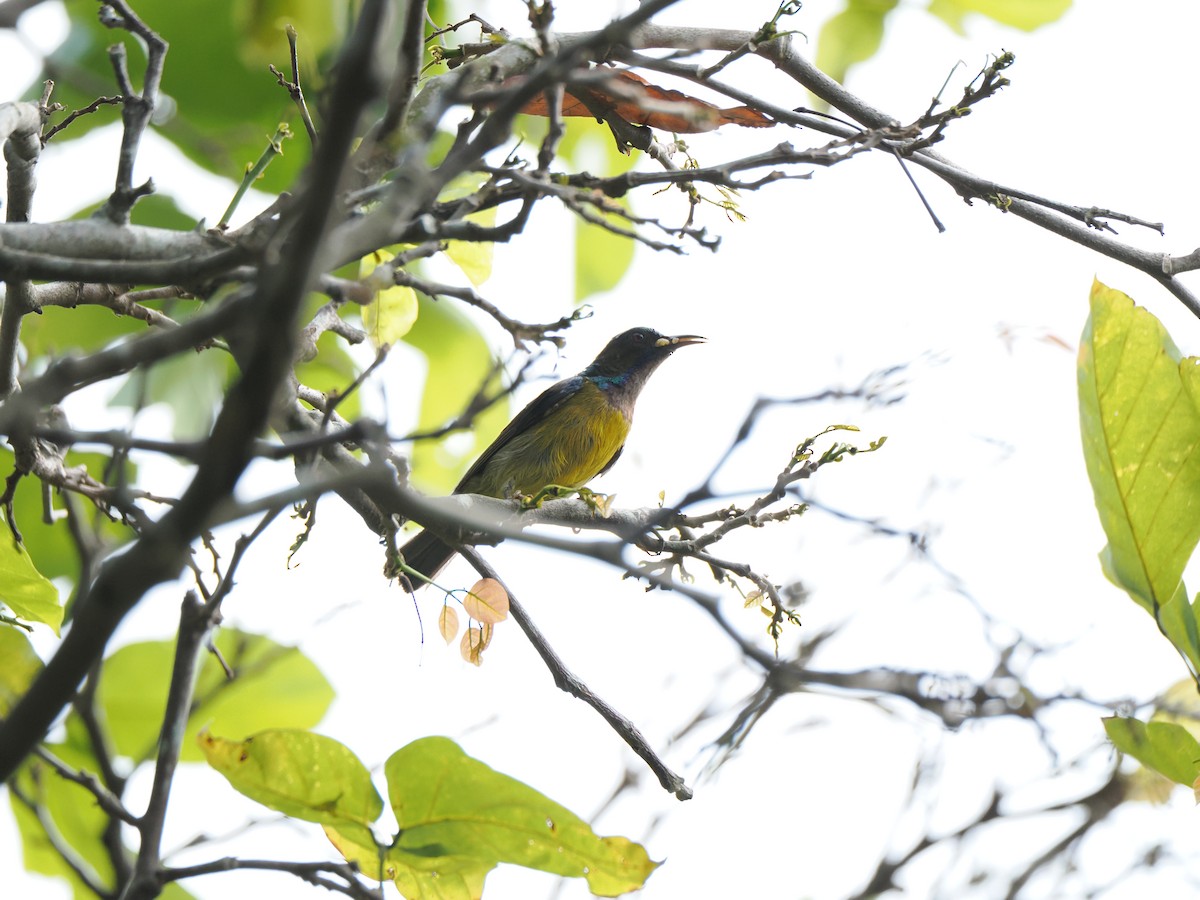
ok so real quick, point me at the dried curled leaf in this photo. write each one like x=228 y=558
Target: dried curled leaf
x=474 y=642
x=626 y=95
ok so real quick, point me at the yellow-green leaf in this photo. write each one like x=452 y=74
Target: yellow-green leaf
x=475 y=257
x=23 y=589
x=1141 y=442
x=461 y=818
x=359 y=847
x=1163 y=746
x=394 y=311
x=18 y=666
x=300 y=774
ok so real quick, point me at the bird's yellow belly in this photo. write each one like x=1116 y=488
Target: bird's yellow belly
x=569 y=448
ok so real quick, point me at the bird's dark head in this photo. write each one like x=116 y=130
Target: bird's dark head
x=638 y=350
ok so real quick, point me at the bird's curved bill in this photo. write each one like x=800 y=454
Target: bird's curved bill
x=679 y=340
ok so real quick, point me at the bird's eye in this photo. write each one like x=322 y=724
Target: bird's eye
x=638 y=337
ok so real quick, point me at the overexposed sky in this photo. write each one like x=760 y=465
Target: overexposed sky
x=828 y=280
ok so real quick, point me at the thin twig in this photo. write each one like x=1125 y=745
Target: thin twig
x=293 y=87
x=567 y=681
x=137 y=108
x=92 y=107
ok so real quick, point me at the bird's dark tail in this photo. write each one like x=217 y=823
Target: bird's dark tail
x=428 y=554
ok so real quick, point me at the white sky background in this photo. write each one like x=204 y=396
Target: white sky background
x=828 y=280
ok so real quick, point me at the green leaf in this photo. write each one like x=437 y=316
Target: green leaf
x=1141 y=437
x=459 y=818
x=852 y=36
x=459 y=362
x=1163 y=746
x=23 y=589
x=1027 y=15
x=58 y=330
x=601 y=257
x=300 y=774
x=19 y=665
x=274 y=686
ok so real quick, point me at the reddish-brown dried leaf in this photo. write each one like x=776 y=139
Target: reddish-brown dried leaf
x=626 y=95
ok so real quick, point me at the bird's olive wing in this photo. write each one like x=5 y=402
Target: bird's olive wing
x=537 y=410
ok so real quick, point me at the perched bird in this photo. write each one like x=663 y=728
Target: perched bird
x=572 y=432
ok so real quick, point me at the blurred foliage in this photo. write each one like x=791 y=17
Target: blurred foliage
x=602 y=258
x=50 y=545
x=855 y=33
x=459 y=364
x=21 y=664
x=274 y=686
x=271 y=685
x=69 y=809
x=221 y=103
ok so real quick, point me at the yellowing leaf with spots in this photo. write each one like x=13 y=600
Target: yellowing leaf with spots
x=487 y=602
x=1141 y=436
x=459 y=818
x=300 y=774
x=394 y=311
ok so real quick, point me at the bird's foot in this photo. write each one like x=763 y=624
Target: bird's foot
x=597 y=502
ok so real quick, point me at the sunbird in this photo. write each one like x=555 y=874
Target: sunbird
x=574 y=431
